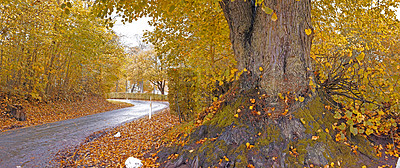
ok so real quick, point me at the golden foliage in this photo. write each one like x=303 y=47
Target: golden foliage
x=48 y=54
x=356 y=56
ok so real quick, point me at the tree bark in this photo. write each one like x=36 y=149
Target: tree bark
x=160 y=86
x=116 y=86
x=141 y=85
x=276 y=54
x=133 y=87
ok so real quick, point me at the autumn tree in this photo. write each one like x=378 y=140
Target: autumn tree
x=157 y=73
x=136 y=66
x=53 y=51
x=198 y=49
x=146 y=65
x=274 y=115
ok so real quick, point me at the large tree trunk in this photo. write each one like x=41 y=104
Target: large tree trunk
x=273 y=53
x=258 y=123
x=276 y=53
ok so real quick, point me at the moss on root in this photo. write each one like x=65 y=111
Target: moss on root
x=318 y=123
x=302 y=139
x=225 y=116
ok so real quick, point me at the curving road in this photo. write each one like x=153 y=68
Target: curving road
x=36 y=146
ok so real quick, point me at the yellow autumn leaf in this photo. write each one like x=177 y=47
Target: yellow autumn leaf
x=312 y=85
x=302 y=120
x=280 y=96
x=266 y=9
x=274 y=17
x=314 y=138
x=361 y=56
x=313 y=56
x=261 y=69
x=248 y=146
x=226 y=159
x=236 y=115
x=308 y=31
x=286 y=111
x=301 y=98
x=215 y=98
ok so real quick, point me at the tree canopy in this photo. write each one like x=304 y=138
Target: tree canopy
x=51 y=51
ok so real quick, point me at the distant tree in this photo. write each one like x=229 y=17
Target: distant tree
x=146 y=65
x=157 y=73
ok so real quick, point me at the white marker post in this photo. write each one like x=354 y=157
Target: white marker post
x=150 y=109
x=398 y=163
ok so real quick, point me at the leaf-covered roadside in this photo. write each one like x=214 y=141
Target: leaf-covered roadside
x=41 y=113
x=140 y=139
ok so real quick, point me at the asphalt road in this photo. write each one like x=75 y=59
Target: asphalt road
x=36 y=146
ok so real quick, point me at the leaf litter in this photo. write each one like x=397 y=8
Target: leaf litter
x=141 y=139
x=41 y=113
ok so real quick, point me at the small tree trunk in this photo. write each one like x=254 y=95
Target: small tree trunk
x=161 y=86
x=116 y=86
x=133 y=88
x=126 y=86
x=141 y=86
x=1 y=59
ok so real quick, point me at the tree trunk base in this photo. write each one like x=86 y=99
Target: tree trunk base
x=304 y=138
